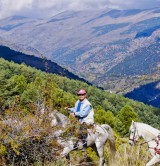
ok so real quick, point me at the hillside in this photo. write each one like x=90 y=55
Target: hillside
x=22 y=81
x=148 y=94
x=26 y=134
x=51 y=67
x=99 y=45
x=38 y=63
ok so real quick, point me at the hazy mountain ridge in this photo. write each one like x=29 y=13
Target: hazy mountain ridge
x=95 y=45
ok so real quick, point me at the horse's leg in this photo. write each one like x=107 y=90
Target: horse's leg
x=68 y=159
x=100 y=150
x=153 y=161
x=68 y=156
x=95 y=149
x=65 y=152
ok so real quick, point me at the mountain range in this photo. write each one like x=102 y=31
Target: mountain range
x=118 y=50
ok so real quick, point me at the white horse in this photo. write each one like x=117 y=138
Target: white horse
x=151 y=137
x=96 y=137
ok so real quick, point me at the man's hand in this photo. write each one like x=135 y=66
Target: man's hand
x=66 y=108
x=72 y=114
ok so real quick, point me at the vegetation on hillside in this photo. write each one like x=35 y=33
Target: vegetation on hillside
x=122 y=85
x=26 y=137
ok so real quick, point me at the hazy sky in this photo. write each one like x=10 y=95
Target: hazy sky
x=48 y=8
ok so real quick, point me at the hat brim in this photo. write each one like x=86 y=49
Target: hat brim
x=81 y=93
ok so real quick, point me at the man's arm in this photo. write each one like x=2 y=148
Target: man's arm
x=70 y=109
x=84 y=112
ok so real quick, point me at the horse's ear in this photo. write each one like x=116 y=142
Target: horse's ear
x=133 y=123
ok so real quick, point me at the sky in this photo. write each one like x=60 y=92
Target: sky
x=49 y=8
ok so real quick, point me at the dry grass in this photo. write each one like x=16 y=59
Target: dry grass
x=131 y=156
x=126 y=155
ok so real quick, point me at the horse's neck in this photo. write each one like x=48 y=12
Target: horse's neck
x=147 y=132
x=147 y=135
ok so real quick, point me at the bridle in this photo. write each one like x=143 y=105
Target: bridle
x=134 y=135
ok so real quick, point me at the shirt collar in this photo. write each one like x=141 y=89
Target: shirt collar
x=83 y=101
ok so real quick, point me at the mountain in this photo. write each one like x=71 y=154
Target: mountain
x=38 y=63
x=116 y=49
x=148 y=94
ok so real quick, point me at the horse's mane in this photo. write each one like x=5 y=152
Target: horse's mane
x=61 y=118
x=148 y=128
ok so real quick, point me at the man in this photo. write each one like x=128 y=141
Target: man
x=84 y=112
x=83 y=109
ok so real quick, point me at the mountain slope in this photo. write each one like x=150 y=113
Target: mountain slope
x=39 y=63
x=27 y=98
x=96 y=45
x=55 y=91
x=148 y=94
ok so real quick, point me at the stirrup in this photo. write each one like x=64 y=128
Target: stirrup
x=75 y=146
x=85 y=144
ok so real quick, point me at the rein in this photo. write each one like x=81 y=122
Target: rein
x=154 y=139
x=156 y=149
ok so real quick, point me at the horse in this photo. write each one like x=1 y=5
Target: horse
x=59 y=119
x=151 y=137
x=96 y=138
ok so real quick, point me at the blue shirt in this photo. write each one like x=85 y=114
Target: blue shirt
x=79 y=106
x=81 y=113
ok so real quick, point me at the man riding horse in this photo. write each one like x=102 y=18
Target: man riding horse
x=83 y=111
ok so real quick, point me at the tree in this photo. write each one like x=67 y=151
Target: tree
x=126 y=115
x=104 y=117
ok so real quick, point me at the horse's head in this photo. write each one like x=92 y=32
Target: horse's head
x=53 y=117
x=58 y=119
x=134 y=135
